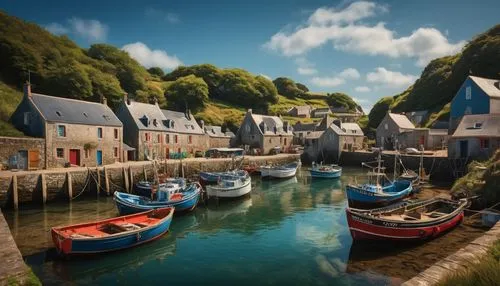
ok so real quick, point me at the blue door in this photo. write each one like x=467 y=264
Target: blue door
x=99 y=157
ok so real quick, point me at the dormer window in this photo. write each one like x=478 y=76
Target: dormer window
x=85 y=114
x=58 y=113
x=155 y=122
x=478 y=125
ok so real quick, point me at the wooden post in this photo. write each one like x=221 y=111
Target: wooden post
x=106 y=181
x=69 y=185
x=43 y=182
x=98 y=181
x=145 y=173
x=131 y=178
x=125 y=180
x=15 y=195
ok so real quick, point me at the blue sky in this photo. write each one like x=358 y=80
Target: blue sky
x=365 y=49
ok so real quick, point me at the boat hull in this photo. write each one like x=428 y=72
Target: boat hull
x=129 y=204
x=362 y=228
x=325 y=175
x=389 y=194
x=70 y=246
x=216 y=191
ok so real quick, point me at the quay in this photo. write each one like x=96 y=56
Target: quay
x=43 y=186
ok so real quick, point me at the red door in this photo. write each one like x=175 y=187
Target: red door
x=74 y=157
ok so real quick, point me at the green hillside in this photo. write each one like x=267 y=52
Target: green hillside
x=442 y=78
x=59 y=67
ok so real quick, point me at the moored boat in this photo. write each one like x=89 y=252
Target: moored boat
x=230 y=187
x=214 y=177
x=112 y=234
x=145 y=188
x=406 y=220
x=325 y=171
x=183 y=200
x=284 y=171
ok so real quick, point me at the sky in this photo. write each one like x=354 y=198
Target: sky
x=366 y=49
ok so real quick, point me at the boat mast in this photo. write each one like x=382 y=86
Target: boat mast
x=379 y=158
x=421 y=167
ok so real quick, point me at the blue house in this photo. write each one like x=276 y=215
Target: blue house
x=476 y=96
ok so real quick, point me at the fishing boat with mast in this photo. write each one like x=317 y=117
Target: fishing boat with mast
x=230 y=186
x=325 y=171
x=379 y=189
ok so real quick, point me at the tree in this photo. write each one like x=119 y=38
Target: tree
x=339 y=99
x=287 y=87
x=379 y=110
x=189 y=90
x=302 y=87
x=156 y=71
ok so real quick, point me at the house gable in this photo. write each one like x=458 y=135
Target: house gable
x=477 y=103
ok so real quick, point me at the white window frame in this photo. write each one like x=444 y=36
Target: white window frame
x=65 y=130
x=102 y=133
x=63 y=156
x=468 y=93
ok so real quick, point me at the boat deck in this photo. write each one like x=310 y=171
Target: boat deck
x=414 y=216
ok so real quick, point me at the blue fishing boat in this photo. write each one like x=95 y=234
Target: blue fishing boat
x=184 y=200
x=112 y=234
x=325 y=171
x=378 y=191
x=214 y=177
x=145 y=188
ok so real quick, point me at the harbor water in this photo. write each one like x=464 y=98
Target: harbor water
x=291 y=231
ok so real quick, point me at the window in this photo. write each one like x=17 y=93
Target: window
x=99 y=132
x=484 y=143
x=386 y=126
x=60 y=153
x=167 y=138
x=158 y=137
x=175 y=139
x=281 y=140
x=116 y=133
x=190 y=139
x=116 y=152
x=27 y=118
x=147 y=136
x=87 y=153
x=468 y=93
x=468 y=110
x=285 y=141
x=61 y=131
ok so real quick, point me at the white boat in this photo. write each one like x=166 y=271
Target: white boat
x=281 y=172
x=230 y=187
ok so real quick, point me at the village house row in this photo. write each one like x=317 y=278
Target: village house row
x=67 y=132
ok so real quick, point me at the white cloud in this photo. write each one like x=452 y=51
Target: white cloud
x=327 y=81
x=158 y=14
x=390 y=78
x=266 y=76
x=343 y=30
x=361 y=100
x=56 y=29
x=91 y=30
x=350 y=73
x=306 y=71
x=362 y=89
x=151 y=58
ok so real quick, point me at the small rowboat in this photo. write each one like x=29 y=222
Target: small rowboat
x=406 y=221
x=184 y=200
x=325 y=171
x=230 y=187
x=213 y=177
x=373 y=194
x=112 y=234
x=280 y=172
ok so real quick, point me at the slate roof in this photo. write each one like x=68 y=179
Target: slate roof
x=401 y=120
x=214 y=131
x=302 y=127
x=230 y=134
x=65 y=110
x=478 y=125
x=273 y=123
x=490 y=86
x=350 y=127
x=337 y=130
x=182 y=124
x=314 y=134
x=142 y=111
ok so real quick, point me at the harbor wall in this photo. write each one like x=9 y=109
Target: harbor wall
x=40 y=187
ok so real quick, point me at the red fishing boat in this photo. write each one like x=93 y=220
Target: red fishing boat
x=406 y=220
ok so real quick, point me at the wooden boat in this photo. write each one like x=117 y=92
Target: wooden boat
x=112 y=234
x=214 y=177
x=146 y=188
x=378 y=192
x=325 y=171
x=183 y=200
x=230 y=187
x=406 y=220
x=284 y=171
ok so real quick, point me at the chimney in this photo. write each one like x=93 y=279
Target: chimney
x=155 y=100
x=249 y=111
x=104 y=100
x=286 y=126
x=126 y=99
x=202 y=125
x=27 y=89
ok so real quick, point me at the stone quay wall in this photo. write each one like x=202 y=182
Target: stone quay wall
x=12 y=145
x=40 y=187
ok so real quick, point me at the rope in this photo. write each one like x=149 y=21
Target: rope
x=481 y=211
x=85 y=186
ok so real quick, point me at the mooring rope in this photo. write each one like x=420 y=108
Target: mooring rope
x=85 y=186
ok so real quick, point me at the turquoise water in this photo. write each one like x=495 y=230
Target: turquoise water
x=287 y=232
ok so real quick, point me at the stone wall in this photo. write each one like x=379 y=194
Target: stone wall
x=269 y=142
x=218 y=142
x=11 y=146
x=39 y=187
x=77 y=136
x=162 y=143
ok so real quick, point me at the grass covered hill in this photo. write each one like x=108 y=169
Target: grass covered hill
x=59 y=67
x=442 y=78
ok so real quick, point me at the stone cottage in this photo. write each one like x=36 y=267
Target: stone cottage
x=320 y=112
x=477 y=95
x=303 y=111
x=303 y=131
x=389 y=129
x=264 y=133
x=217 y=138
x=157 y=133
x=76 y=132
x=477 y=137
